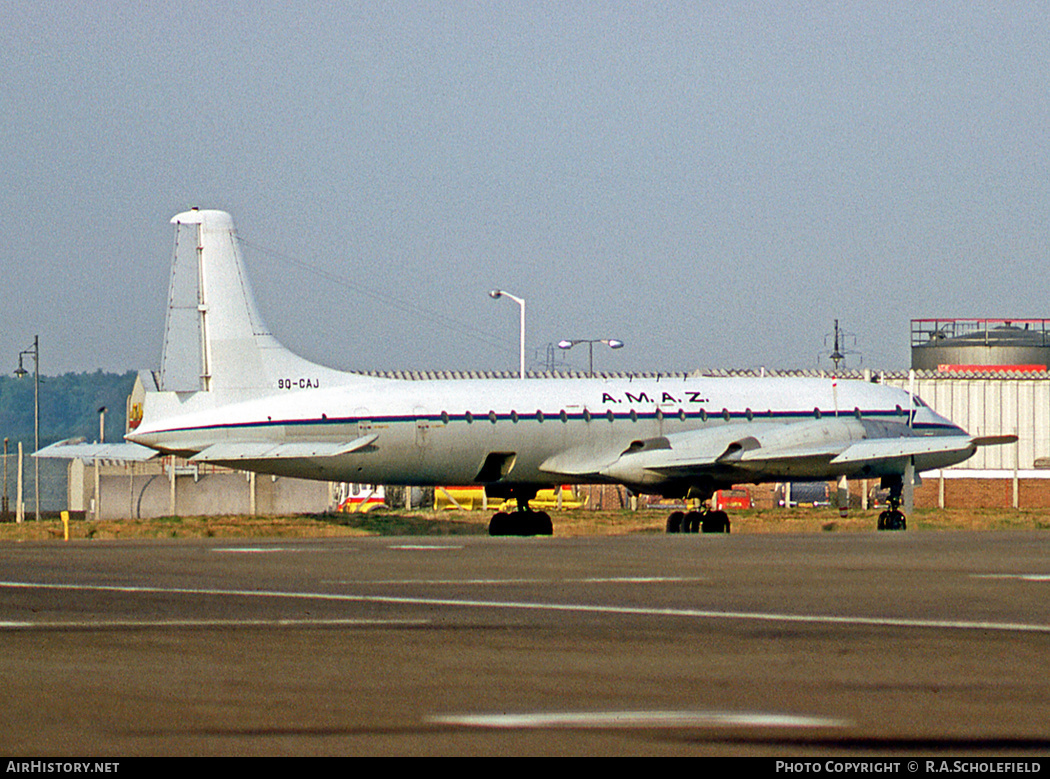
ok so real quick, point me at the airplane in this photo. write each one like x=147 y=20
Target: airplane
x=229 y=393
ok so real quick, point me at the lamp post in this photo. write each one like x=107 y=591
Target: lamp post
x=3 y=511
x=34 y=352
x=499 y=293
x=612 y=343
x=98 y=467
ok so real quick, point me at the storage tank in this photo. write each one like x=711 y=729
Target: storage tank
x=980 y=344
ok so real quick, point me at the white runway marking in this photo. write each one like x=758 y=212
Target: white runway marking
x=610 y=580
x=209 y=623
x=638 y=719
x=424 y=547
x=1027 y=577
x=685 y=613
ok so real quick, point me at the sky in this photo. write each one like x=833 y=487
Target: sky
x=713 y=183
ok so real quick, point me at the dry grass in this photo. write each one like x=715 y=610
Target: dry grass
x=566 y=524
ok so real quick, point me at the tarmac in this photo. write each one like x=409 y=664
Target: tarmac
x=786 y=645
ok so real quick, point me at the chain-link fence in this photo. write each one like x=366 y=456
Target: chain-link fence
x=54 y=477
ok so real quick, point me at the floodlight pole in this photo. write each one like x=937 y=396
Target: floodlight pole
x=34 y=352
x=612 y=343
x=3 y=512
x=499 y=293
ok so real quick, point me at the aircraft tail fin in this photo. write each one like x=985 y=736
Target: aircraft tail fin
x=214 y=338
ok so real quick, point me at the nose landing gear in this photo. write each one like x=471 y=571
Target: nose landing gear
x=893 y=518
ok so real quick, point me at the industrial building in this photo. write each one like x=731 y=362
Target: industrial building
x=990 y=377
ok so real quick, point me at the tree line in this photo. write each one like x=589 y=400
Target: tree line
x=69 y=406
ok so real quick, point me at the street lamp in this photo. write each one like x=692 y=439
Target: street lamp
x=612 y=343
x=499 y=293
x=34 y=352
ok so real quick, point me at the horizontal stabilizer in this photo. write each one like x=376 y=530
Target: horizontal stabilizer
x=876 y=449
x=994 y=440
x=77 y=449
x=261 y=450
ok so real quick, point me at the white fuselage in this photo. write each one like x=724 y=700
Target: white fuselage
x=547 y=430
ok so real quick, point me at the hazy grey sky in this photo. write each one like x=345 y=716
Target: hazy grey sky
x=713 y=183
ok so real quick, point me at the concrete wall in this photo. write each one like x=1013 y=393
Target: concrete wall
x=144 y=490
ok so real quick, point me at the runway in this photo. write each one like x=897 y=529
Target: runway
x=934 y=643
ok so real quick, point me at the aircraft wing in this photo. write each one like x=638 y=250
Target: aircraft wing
x=77 y=449
x=880 y=449
x=695 y=448
x=823 y=444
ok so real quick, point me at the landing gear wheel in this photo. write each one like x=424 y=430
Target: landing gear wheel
x=703 y=521
x=521 y=523
x=500 y=525
x=674 y=522
x=715 y=522
x=541 y=524
x=892 y=519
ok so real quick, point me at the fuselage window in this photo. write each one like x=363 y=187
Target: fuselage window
x=586 y=415
x=703 y=415
x=659 y=415
x=469 y=417
x=725 y=414
x=492 y=417
x=900 y=411
x=749 y=414
x=609 y=415
x=634 y=415
x=856 y=413
x=514 y=416
x=564 y=416
x=816 y=413
x=444 y=417
x=539 y=415
x=681 y=414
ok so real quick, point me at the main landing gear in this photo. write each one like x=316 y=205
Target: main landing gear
x=523 y=521
x=703 y=521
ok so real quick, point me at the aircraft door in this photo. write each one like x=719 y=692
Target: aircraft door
x=364 y=422
x=422 y=427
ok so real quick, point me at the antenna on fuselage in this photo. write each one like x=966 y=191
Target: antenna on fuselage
x=911 y=396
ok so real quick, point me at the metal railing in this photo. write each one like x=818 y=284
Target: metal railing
x=931 y=331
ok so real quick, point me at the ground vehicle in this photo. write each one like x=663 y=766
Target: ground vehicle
x=736 y=498
x=803 y=493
